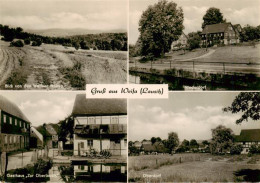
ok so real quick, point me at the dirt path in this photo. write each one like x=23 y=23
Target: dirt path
x=211 y=51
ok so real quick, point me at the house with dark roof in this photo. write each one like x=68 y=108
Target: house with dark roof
x=99 y=124
x=222 y=33
x=247 y=138
x=157 y=147
x=14 y=127
x=182 y=41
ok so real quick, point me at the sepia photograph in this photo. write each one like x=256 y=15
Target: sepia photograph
x=62 y=137
x=195 y=45
x=195 y=137
x=62 y=45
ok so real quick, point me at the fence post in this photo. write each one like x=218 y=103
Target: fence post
x=224 y=67
x=193 y=69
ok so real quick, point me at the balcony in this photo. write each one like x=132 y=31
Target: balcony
x=100 y=129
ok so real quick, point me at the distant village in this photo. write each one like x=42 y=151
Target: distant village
x=247 y=140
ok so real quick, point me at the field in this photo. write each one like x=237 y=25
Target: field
x=59 y=67
x=194 y=168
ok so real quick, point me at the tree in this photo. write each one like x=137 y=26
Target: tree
x=27 y=41
x=248 y=103
x=172 y=141
x=153 y=140
x=194 y=143
x=159 y=26
x=212 y=16
x=194 y=40
x=205 y=143
x=83 y=45
x=222 y=139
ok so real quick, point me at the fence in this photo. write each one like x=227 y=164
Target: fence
x=203 y=66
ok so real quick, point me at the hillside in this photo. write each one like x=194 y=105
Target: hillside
x=69 y=32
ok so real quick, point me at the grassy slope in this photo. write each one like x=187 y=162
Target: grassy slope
x=42 y=64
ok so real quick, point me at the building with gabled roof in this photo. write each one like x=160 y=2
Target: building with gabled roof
x=14 y=127
x=247 y=138
x=182 y=41
x=222 y=33
x=99 y=124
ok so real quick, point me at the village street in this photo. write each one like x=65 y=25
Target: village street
x=20 y=160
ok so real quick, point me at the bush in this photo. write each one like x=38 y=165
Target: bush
x=37 y=42
x=18 y=43
x=27 y=41
x=236 y=149
x=254 y=149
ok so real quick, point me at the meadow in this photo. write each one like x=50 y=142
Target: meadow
x=197 y=167
x=60 y=66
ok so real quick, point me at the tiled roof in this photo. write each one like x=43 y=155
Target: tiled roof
x=215 y=28
x=83 y=106
x=11 y=108
x=250 y=135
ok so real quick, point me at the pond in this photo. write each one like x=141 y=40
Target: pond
x=175 y=83
x=90 y=172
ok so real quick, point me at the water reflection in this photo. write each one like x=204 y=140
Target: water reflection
x=179 y=83
x=93 y=172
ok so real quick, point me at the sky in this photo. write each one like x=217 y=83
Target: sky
x=191 y=114
x=241 y=12
x=42 y=107
x=46 y=14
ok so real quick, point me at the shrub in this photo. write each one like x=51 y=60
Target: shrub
x=18 y=43
x=254 y=149
x=27 y=41
x=236 y=149
x=37 y=42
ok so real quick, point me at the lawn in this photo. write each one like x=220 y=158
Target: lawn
x=193 y=167
x=237 y=54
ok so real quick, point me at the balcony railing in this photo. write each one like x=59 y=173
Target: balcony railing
x=100 y=129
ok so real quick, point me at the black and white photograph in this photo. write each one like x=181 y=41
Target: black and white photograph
x=195 y=137
x=62 y=137
x=195 y=45
x=62 y=44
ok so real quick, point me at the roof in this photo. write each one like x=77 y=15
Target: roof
x=215 y=28
x=148 y=147
x=83 y=106
x=50 y=129
x=11 y=108
x=250 y=135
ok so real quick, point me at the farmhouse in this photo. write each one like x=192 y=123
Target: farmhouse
x=248 y=138
x=181 y=42
x=157 y=147
x=137 y=144
x=223 y=33
x=14 y=127
x=99 y=124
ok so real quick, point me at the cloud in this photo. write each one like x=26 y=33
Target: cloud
x=47 y=110
x=189 y=123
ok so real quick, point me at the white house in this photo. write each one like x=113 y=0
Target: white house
x=99 y=124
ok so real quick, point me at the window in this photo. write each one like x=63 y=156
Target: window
x=4 y=118
x=114 y=120
x=5 y=139
x=10 y=120
x=15 y=122
x=14 y=139
x=11 y=139
x=125 y=142
x=91 y=120
x=90 y=143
